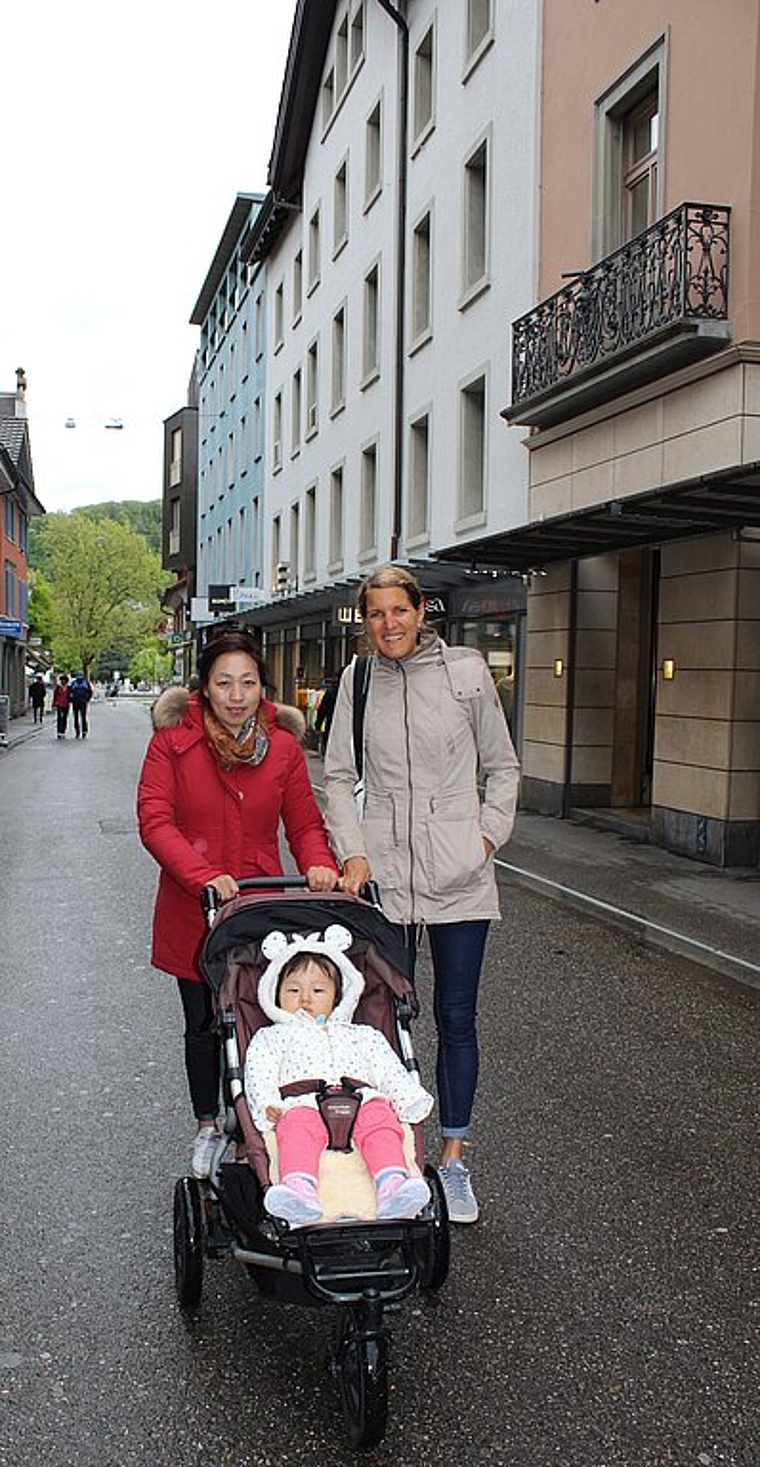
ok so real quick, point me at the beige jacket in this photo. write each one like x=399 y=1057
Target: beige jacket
x=433 y=722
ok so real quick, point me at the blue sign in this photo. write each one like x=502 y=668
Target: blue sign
x=9 y=628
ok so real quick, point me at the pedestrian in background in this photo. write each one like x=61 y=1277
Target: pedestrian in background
x=62 y=703
x=81 y=693
x=37 y=699
x=221 y=771
x=433 y=726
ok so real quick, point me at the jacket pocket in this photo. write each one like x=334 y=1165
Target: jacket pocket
x=380 y=841
x=457 y=855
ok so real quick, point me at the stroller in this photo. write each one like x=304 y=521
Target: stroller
x=363 y=1268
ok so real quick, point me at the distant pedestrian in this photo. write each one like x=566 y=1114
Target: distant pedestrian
x=81 y=693
x=62 y=703
x=37 y=699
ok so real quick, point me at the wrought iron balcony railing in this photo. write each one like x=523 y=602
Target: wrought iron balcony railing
x=675 y=273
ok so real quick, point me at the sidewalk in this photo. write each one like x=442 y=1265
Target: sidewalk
x=705 y=914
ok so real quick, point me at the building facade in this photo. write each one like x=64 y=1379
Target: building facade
x=18 y=502
x=637 y=380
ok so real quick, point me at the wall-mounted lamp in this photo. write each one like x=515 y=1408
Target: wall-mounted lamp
x=559 y=667
x=668 y=669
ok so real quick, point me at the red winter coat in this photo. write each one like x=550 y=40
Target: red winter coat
x=199 y=820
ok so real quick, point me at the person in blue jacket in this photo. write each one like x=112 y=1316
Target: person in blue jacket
x=81 y=693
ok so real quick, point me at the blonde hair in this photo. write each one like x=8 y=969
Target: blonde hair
x=390 y=575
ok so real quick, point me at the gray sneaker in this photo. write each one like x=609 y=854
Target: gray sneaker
x=460 y=1198
x=204 y=1147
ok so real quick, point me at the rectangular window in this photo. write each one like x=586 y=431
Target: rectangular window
x=10 y=519
x=472 y=457
x=276 y=561
x=340 y=208
x=338 y=386
x=312 y=389
x=336 y=519
x=356 y=55
x=421 y=280
x=256 y=540
x=315 y=248
x=174 y=525
x=175 y=463
x=328 y=99
x=373 y=155
x=371 y=341
x=277 y=433
x=11 y=606
x=629 y=144
x=424 y=86
x=368 y=513
x=419 y=479
x=310 y=532
x=279 y=316
x=295 y=544
x=259 y=326
x=479 y=26
x=476 y=220
x=297 y=286
x=640 y=141
x=341 y=58
x=258 y=445
x=295 y=414
x=242 y=562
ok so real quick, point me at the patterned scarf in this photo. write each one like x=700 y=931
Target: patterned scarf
x=248 y=746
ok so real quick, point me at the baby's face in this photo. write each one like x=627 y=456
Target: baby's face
x=308 y=989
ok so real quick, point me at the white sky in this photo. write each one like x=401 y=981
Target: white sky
x=127 y=131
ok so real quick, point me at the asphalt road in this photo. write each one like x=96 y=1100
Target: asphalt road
x=605 y=1311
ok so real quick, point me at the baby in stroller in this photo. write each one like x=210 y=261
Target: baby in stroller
x=316 y=1078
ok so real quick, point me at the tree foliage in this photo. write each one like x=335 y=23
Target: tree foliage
x=106 y=585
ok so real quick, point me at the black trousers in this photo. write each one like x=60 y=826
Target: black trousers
x=201 y=1049
x=62 y=718
x=80 y=718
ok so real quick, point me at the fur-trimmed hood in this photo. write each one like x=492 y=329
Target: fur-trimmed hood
x=172 y=705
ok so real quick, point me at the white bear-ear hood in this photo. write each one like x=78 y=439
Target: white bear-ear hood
x=333 y=943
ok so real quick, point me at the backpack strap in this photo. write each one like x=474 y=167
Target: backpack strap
x=362 y=669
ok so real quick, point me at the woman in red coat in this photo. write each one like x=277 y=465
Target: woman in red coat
x=220 y=772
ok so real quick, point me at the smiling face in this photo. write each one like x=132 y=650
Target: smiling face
x=234 y=689
x=309 y=988
x=392 y=622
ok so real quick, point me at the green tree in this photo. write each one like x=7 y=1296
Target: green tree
x=106 y=587
x=152 y=664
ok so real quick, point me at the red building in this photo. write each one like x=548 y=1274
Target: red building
x=17 y=502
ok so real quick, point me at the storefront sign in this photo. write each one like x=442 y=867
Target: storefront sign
x=220 y=600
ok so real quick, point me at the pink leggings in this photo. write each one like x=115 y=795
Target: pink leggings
x=302 y=1137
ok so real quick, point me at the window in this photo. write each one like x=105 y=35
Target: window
x=256 y=540
x=276 y=551
x=10 y=519
x=341 y=58
x=479 y=23
x=368 y=508
x=417 y=527
x=472 y=452
x=328 y=99
x=371 y=342
x=424 y=61
x=295 y=414
x=10 y=589
x=629 y=148
x=338 y=386
x=476 y=221
x=259 y=325
x=258 y=446
x=356 y=43
x=297 y=287
x=295 y=539
x=242 y=561
x=336 y=520
x=277 y=433
x=373 y=155
x=639 y=193
x=312 y=389
x=340 y=208
x=310 y=532
x=279 y=303
x=175 y=462
x=314 y=251
x=174 y=521
x=421 y=281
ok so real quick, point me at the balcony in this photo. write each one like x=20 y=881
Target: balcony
x=657 y=304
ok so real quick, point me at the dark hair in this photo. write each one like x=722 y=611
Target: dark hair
x=231 y=640
x=325 y=965
x=388 y=576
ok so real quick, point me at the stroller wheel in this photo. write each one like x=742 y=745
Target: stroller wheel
x=362 y=1368
x=436 y=1268
x=189 y=1242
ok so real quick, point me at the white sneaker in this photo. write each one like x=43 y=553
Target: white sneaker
x=460 y=1198
x=204 y=1147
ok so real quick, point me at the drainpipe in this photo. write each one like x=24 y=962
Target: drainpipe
x=572 y=647
x=403 y=108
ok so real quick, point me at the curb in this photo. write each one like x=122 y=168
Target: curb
x=654 y=934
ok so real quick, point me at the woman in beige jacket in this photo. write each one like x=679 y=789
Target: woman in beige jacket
x=426 y=836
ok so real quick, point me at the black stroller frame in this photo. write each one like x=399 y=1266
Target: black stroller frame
x=363 y=1269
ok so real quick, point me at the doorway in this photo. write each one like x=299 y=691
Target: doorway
x=635 y=681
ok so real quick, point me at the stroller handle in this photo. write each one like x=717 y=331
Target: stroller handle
x=210 y=900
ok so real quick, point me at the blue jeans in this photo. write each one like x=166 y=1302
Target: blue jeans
x=457 y=950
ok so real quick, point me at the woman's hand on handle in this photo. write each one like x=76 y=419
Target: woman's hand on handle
x=225 y=886
x=322 y=878
x=356 y=873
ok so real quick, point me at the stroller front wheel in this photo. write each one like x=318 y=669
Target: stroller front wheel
x=362 y=1368
x=189 y=1242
